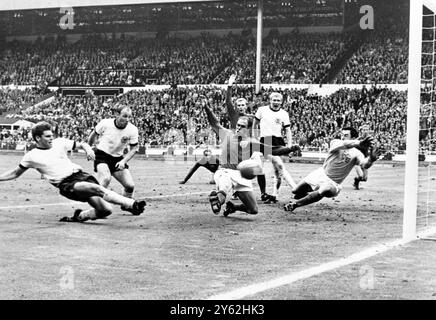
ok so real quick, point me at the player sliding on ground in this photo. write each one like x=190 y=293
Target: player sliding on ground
x=236 y=146
x=326 y=181
x=51 y=160
x=240 y=109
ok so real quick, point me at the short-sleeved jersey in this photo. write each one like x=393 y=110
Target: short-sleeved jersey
x=339 y=164
x=112 y=139
x=272 y=122
x=53 y=163
x=233 y=153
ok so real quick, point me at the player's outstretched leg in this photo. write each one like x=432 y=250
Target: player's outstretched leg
x=312 y=197
x=100 y=210
x=279 y=172
x=86 y=189
x=280 y=167
x=327 y=191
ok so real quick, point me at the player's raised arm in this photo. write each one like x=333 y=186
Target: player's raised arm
x=214 y=122
x=12 y=174
x=337 y=145
x=232 y=111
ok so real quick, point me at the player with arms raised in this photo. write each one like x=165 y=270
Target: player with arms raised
x=236 y=146
x=234 y=113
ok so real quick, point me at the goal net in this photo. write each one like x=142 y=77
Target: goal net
x=420 y=210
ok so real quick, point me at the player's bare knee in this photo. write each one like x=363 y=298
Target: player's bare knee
x=277 y=163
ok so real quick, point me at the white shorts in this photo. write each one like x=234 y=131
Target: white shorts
x=231 y=181
x=318 y=179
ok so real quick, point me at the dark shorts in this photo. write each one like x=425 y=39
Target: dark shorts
x=103 y=157
x=66 y=186
x=272 y=141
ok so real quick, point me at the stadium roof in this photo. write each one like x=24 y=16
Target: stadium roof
x=40 y=4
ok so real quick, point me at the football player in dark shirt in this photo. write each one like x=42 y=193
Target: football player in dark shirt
x=209 y=161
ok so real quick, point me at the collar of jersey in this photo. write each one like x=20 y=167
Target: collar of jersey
x=115 y=123
x=275 y=110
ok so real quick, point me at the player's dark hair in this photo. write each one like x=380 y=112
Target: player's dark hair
x=353 y=132
x=39 y=128
x=121 y=107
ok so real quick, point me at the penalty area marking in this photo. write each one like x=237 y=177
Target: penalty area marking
x=253 y=289
x=72 y=202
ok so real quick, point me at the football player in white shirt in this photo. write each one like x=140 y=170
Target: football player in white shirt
x=272 y=120
x=113 y=136
x=326 y=181
x=51 y=160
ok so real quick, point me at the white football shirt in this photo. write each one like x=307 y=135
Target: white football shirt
x=272 y=122
x=113 y=140
x=339 y=164
x=53 y=163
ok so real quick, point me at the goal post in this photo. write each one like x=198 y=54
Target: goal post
x=419 y=217
x=413 y=111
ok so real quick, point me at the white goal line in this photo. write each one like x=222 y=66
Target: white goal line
x=73 y=202
x=256 y=288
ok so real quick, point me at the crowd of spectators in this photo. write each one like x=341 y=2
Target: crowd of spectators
x=173 y=16
x=383 y=55
x=174 y=116
x=109 y=60
x=12 y=99
x=288 y=58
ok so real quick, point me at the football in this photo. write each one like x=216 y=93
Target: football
x=249 y=169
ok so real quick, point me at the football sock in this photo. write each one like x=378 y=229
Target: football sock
x=262 y=183
x=116 y=198
x=287 y=176
x=276 y=186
